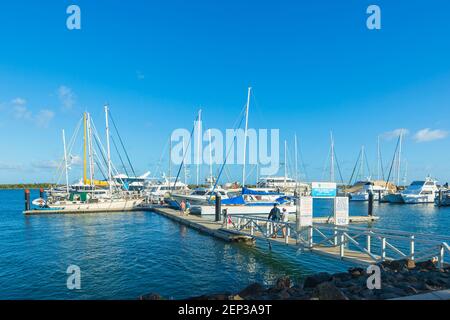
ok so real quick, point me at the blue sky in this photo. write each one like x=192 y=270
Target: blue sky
x=313 y=65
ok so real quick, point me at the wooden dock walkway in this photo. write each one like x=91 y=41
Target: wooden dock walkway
x=204 y=226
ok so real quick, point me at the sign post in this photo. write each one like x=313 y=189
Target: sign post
x=305 y=212
x=324 y=189
x=341 y=211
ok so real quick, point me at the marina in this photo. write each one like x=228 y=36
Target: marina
x=259 y=154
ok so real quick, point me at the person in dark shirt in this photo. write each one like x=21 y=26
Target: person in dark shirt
x=275 y=214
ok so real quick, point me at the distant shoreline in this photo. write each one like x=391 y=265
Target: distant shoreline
x=23 y=186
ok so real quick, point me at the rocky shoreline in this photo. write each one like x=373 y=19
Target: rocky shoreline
x=398 y=279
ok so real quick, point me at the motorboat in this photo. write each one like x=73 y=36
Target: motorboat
x=421 y=192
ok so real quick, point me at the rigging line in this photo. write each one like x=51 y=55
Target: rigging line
x=354 y=169
x=367 y=164
x=101 y=153
x=158 y=164
x=99 y=144
x=381 y=164
x=392 y=163
x=225 y=160
x=339 y=168
x=121 y=142
x=325 y=165
x=120 y=157
x=302 y=162
x=185 y=152
x=70 y=146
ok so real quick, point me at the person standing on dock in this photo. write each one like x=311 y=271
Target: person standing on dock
x=285 y=220
x=188 y=208
x=274 y=216
x=183 y=207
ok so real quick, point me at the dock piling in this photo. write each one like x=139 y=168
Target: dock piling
x=218 y=207
x=27 y=200
x=370 y=207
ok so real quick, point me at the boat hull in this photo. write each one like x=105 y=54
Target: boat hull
x=244 y=209
x=104 y=206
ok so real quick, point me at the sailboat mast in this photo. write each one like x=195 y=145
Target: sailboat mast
x=184 y=164
x=91 y=161
x=245 y=135
x=285 y=163
x=85 y=148
x=170 y=163
x=378 y=158
x=199 y=139
x=332 y=158
x=296 y=158
x=210 y=160
x=108 y=149
x=65 y=161
x=362 y=164
x=399 y=158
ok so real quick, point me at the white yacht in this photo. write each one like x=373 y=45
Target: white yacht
x=421 y=192
x=283 y=183
x=160 y=191
x=200 y=196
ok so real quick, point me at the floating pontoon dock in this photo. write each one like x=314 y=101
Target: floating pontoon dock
x=355 y=244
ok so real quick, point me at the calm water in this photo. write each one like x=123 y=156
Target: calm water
x=124 y=255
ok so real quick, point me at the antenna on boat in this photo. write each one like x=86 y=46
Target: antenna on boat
x=65 y=160
x=245 y=135
x=108 y=149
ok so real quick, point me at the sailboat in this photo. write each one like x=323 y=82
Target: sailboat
x=361 y=189
x=394 y=196
x=248 y=201
x=91 y=195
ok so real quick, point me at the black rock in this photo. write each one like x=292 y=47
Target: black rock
x=151 y=296
x=252 y=290
x=426 y=265
x=283 y=283
x=356 y=272
x=343 y=276
x=316 y=279
x=328 y=291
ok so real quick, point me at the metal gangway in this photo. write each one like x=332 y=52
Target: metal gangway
x=356 y=244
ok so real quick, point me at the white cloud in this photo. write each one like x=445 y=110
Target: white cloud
x=10 y=166
x=394 y=133
x=21 y=112
x=44 y=117
x=427 y=134
x=19 y=102
x=46 y=164
x=66 y=97
x=75 y=160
